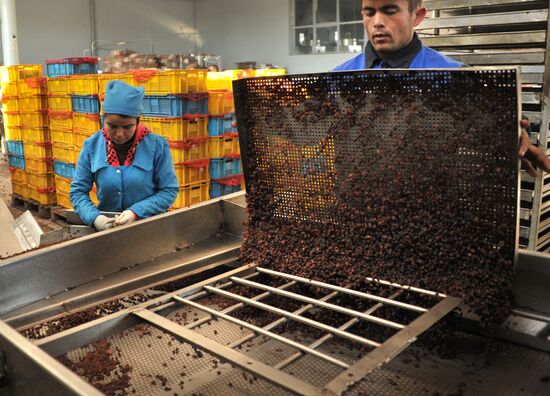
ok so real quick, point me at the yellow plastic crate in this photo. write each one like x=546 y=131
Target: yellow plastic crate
x=216 y=81
x=41 y=180
x=39 y=165
x=62 y=136
x=93 y=195
x=12 y=118
x=63 y=199
x=38 y=149
x=192 y=194
x=58 y=86
x=79 y=138
x=61 y=119
x=37 y=118
x=21 y=189
x=61 y=103
x=10 y=103
x=32 y=103
x=163 y=82
x=178 y=128
x=62 y=184
x=20 y=72
x=220 y=102
x=18 y=175
x=196 y=80
x=268 y=72
x=43 y=196
x=193 y=172
x=64 y=153
x=86 y=123
x=10 y=89
x=223 y=146
x=36 y=134
x=189 y=150
x=32 y=86
x=84 y=84
x=13 y=132
x=103 y=79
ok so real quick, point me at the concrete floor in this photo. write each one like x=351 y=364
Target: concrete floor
x=5 y=194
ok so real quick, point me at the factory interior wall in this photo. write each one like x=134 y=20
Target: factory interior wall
x=61 y=28
x=255 y=30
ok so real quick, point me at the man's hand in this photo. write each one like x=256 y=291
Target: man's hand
x=125 y=217
x=102 y=222
x=531 y=156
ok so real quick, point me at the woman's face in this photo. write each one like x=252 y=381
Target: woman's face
x=119 y=128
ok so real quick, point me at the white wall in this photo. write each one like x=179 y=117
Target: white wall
x=255 y=30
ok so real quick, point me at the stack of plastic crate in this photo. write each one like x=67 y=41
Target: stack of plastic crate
x=176 y=107
x=225 y=164
x=74 y=115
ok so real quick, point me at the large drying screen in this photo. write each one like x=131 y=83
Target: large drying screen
x=404 y=175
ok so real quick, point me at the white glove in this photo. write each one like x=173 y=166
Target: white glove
x=125 y=217
x=102 y=222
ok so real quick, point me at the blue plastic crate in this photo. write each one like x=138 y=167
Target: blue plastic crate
x=228 y=123
x=64 y=169
x=85 y=103
x=195 y=103
x=15 y=147
x=223 y=167
x=162 y=106
x=217 y=126
x=218 y=190
x=66 y=66
x=17 y=161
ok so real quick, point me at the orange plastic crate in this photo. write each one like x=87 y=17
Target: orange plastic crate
x=43 y=196
x=178 y=128
x=37 y=118
x=63 y=199
x=64 y=153
x=61 y=119
x=58 y=86
x=10 y=103
x=10 y=89
x=12 y=118
x=62 y=136
x=84 y=84
x=32 y=86
x=79 y=138
x=62 y=184
x=93 y=196
x=104 y=78
x=224 y=80
x=38 y=149
x=189 y=150
x=18 y=175
x=32 y=103
x=86 y=123
x=192 y=194
x=220 y=102
x=193 y=172
x=41 y=180
x=61 y=103
x=39 y=165
x=21 y=189
x=13 y=132
x=268 y=72
x=20 y=72
x=36 y=134
x=223 y=146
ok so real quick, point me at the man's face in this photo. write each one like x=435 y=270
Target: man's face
x=389 y=24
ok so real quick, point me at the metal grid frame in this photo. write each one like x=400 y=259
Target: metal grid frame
x=151 y=313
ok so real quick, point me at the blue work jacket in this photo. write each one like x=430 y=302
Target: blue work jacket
x=427 y=58
x=147 y=187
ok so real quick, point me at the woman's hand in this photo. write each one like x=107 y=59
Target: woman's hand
x=103 y=222
x=125 y=217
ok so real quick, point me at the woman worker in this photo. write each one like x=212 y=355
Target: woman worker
x=131 y=167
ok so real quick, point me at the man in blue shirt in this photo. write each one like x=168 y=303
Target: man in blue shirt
x=392 y=43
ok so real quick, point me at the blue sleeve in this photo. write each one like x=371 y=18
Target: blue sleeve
x=165 y=181
x=81 y=187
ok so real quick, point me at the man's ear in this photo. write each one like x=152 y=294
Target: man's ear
x=419 y=15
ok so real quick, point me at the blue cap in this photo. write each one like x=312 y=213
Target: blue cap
x=122 y=98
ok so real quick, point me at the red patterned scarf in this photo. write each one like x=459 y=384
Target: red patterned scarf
x=112 y=158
